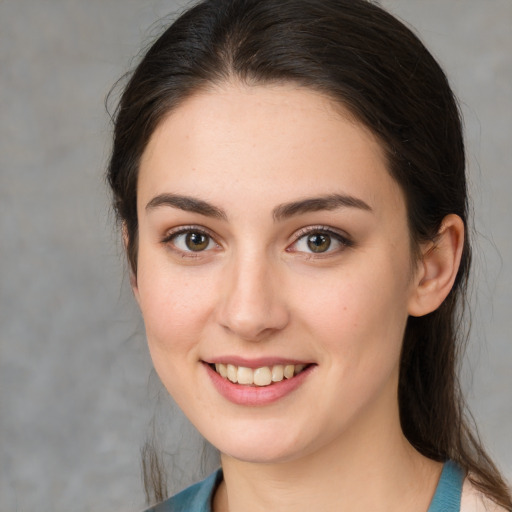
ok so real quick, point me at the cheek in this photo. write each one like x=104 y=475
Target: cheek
x=361 y=311
x=174 y=306
x=176 y=310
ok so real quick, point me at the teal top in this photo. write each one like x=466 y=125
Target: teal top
x=198 y=497
x=449 y=489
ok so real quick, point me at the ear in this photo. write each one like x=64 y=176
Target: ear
x=438 y=267
x=133 y=276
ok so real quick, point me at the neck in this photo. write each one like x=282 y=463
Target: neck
x=372 y=468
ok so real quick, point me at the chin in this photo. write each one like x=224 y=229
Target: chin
x=260 y=447
x=261 y=455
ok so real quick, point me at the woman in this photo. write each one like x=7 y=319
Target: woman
x=290 y=179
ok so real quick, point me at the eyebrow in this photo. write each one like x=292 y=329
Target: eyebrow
x=188 y=204
x=281 y=212
x=315 y=204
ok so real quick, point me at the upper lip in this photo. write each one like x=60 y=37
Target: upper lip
x=258 y=362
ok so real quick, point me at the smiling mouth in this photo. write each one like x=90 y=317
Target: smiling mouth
x=263 y=376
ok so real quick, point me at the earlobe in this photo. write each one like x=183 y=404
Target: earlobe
x=438 y=267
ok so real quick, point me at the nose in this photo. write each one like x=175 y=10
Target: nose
x=252 y=305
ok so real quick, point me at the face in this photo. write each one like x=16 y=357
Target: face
x=273 y=246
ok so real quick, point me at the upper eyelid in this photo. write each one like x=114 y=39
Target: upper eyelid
x=320 y=229
x=186 y=229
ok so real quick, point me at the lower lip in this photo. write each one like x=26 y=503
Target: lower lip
x=256 y=395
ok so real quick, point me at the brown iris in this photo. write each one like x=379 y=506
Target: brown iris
x=197 y=241
x=319 y=242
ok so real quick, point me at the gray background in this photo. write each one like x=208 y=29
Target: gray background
x=76 y=392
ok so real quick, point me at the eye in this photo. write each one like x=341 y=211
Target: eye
x=319 y=241
x=190 y=240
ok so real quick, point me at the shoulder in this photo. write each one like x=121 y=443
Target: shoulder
x=473 y=500
x=196 y=498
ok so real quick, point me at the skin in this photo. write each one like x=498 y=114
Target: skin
x=257 y=290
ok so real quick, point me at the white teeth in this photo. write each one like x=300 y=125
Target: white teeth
x=289 y=370
x=277 y=373
x=222 y=369
x=263 y=376
x=245 y=375
x=232 y=373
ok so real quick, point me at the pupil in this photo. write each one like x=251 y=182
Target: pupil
x=319 y=242
x=196 y=241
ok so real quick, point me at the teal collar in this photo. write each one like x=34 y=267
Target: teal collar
x=198 y=497
x=449 y=489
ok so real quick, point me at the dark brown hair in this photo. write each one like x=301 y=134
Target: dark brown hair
x=360 y=56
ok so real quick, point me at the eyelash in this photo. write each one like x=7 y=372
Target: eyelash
x=343 y=240
x=170 y=238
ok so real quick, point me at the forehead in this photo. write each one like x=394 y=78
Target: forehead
x=282 y=139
